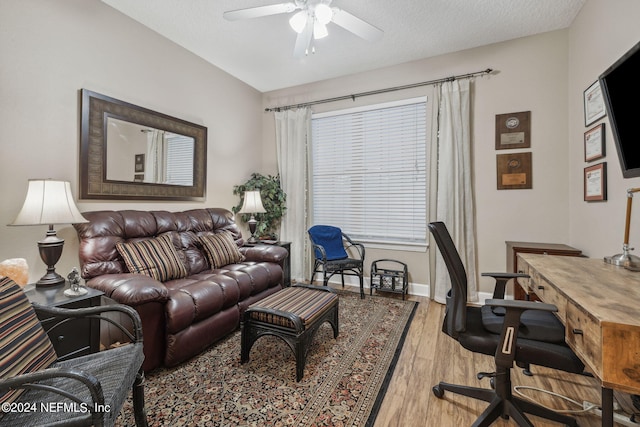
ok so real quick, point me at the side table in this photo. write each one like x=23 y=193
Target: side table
x=77 y=337
x=286 y=266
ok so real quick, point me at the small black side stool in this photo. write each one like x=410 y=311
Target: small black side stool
x=389 y=275
x=293 y=314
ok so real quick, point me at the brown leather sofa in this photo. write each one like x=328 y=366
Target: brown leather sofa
x=180 y=317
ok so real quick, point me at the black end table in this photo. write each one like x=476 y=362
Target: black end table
x=77 y=337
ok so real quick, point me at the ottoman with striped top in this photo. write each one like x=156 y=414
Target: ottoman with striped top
x=292 y=314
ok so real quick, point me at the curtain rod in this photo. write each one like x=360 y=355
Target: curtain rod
x=376 y=92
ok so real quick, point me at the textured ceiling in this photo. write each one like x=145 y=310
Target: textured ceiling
x=260 y=51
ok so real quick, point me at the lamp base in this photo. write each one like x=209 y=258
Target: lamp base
x=625 y=259
x=253 y=224
x=50 y=249
x=50 y=279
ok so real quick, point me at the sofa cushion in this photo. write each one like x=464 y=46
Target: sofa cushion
x=156 y=258
x=25 y=346
x=221 y=250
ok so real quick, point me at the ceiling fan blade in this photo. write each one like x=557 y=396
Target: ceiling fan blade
x=258 y=12
x=356 y=25
x=303 y=41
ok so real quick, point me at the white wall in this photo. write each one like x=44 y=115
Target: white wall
x=52 y=49
x=531 y=76
x=547 y=75
x=601 y=33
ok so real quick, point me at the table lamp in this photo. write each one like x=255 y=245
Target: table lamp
x=625 y=259
x=49 y=202
x=252 y=204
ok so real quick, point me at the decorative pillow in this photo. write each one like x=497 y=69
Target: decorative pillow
x=25 y=346
x=220 y=249
x=156 y=258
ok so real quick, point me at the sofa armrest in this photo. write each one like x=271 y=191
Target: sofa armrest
x=130 y=289
x=264 y=253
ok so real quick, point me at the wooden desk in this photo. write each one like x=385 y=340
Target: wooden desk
x=599 y=306
x=515 y=248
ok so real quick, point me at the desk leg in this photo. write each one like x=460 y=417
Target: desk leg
x=607 y=407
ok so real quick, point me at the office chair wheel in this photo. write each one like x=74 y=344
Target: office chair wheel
x=438 y=391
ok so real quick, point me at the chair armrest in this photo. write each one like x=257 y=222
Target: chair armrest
x=64 y=315
x=520 y=305
x=320 y=249
x=506 y=350
x=357 y=245
x=30 y=381
x=501 y=282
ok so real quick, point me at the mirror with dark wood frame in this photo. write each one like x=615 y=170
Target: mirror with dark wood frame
x=129 y=152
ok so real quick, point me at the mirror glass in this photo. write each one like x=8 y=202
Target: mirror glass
x=138 y=153
x=129 y=152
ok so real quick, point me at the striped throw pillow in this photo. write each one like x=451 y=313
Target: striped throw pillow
x=156 y=258
x=221 y=250
x=25 y=346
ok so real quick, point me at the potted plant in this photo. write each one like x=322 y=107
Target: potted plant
x=273 y=200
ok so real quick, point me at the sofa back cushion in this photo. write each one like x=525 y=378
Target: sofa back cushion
x=98 y=238
x=156 y=258
x=25 y=346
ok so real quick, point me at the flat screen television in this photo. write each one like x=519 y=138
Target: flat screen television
x=620 y=86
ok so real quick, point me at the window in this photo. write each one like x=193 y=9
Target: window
x=369 y=172
x=180 y=155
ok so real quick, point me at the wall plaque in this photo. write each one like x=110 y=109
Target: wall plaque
x=513 y=130
x=514 y=171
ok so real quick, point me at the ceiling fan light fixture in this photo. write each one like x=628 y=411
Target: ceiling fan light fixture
x=319 y=30
x=299 y=21
x=323 y=13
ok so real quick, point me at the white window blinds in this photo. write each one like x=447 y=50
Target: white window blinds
x=369 y=172
x=180 y=159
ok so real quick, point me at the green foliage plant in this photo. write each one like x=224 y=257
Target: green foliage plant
x=273 y=200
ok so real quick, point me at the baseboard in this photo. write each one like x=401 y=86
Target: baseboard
x=417 y=289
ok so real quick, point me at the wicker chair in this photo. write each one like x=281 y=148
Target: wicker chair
x=37 y=389
x=331 y=250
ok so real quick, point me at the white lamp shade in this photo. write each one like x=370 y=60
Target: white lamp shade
x=48 y=202
x=252 y=203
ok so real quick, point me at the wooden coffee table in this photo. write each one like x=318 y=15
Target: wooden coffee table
x=293 y=314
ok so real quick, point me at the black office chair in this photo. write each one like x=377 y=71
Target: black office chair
x=465 y=324
x=331 y=252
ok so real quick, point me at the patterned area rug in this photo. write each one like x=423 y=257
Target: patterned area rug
x=344 y=380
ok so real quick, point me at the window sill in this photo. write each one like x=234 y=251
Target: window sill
x=396 y=246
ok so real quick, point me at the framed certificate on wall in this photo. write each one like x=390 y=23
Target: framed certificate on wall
x=514 y=171
x=595 y=182
x=593 y=104
x=513 y=130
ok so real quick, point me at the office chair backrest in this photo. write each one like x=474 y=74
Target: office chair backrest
x=456 y=314
x=330 y=238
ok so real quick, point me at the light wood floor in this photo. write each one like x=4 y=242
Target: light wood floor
x=429 y=356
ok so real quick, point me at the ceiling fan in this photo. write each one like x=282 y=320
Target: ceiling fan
x=310 y=22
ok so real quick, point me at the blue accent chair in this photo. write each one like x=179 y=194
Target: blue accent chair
x=331 y=255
